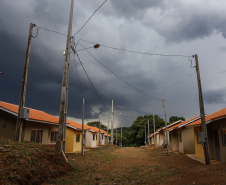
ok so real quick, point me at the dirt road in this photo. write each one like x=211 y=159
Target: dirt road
x=139 y=166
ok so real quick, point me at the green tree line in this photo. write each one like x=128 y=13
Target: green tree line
x=134 y=136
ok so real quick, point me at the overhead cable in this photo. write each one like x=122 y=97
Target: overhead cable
x=138 y=52
x=121 y=78
x=39 y=27
x=90 y=17
x=90 y=80
x=78 y=78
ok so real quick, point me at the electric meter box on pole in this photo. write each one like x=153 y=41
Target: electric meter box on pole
x=24 y=113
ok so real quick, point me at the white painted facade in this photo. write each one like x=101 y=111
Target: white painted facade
x=90 y=139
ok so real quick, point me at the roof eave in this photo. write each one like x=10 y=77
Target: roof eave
x=9 y=111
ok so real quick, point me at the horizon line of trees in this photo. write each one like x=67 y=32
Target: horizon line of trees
x=134 y=136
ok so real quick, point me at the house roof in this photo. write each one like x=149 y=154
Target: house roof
x=172 y=124
x=216 y=115
x=34 y=114
x=38 y=115
x=184 y=123
x=168 y=126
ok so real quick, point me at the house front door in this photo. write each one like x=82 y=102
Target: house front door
x=217 y=145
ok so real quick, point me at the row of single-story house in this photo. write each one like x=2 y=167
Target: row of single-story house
x=42 y=128
x=159 y=135
x=183 y=136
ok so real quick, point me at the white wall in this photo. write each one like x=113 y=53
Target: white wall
x=89 y=139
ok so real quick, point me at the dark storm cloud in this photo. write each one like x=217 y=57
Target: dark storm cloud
x=110 y=87
x=46 y=61
x=176 y=21
x=43 y=87
x=215 y=96
x=122 y=94
x=128 y=24
x=195 y=27
x=133 y=8
x=10 y=57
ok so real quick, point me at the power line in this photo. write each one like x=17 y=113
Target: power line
x=90 y=81
x=78 y=78
x=121 y=78
x=138 y=52
x=39 y=27
x=90 y=17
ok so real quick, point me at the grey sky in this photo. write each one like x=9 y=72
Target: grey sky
x=167 y=27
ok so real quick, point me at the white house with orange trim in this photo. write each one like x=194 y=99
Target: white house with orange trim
x=92 y=137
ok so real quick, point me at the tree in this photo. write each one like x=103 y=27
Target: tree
x=125 y=136
x=137 y=134
x=175 y=118
x=96 y=124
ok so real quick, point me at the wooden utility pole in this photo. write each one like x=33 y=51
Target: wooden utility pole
x=144 y=135
x=99 y=132
x=154 y=128
x=83 y=134
x=107 y=133
x=20 y=121
x=166 y=138
x=202 y=113
x=148 y=135
x=61 y=136
x=121 y=136
x=112 y=121
x=116 y=133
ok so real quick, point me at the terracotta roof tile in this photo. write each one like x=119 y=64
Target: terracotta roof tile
x=172 y=124
x=38 y=115
x=42 y=116
x=183 y=123
x=168 y=126
x=9 y=106
x=215 y=115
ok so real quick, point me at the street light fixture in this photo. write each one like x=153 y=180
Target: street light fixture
x=75 y=45
x=96 y=46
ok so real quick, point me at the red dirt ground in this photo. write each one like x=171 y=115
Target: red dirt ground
x=29 y=163
x=139 y=166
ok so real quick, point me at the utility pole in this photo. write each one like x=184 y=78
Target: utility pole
x=116 y=133
x=148 y=135
x=20 y=121
x=154 y=128
x=166 y=138
x=61 y=136
x=83 y=137
x=99 y=132
x=107 y=133
x=112 y=121
x=145 y=135
x=121 y=136
x=202 y=113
